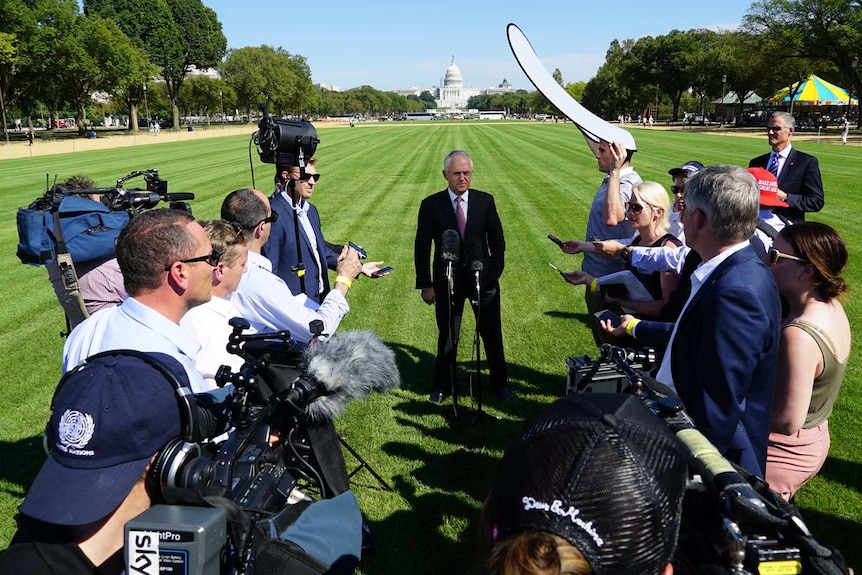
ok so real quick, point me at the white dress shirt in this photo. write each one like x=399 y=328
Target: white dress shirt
x=268 y=304
x=208 y=324
x=132 y=325
x=698 y=278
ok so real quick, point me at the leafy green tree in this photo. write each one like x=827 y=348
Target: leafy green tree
x=576 y=90
x=829 y=31
x=149 y=25
x=610 y=93
x=269 y=76
x=202 y=96
x=193 y=38
x=558 y=77
x=428 y=98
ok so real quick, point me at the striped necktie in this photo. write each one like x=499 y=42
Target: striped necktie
x=773 y=165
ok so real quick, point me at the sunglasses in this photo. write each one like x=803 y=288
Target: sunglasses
x=636 y=208
x=211 y=258
x=237 y=230
x=270 y=219
x=775 y=129
x=775 y=255
x=677 y=189
x=306 y=177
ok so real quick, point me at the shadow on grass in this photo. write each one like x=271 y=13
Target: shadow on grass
x=847 y=473
x=426 y=530
x=832 y=531
x=28 y=456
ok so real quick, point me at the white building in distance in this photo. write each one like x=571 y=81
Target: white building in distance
x=451 y=93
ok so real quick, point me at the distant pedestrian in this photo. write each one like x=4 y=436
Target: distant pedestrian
x=846 y=125
x=30 y=136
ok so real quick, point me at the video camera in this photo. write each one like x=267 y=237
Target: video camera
x=229 y=500
x=731 y=521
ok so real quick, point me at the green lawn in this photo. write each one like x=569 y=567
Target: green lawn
x=374 y=177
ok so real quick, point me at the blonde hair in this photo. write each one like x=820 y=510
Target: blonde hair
x=654 y=195
x=226 y=238
x=536 y=553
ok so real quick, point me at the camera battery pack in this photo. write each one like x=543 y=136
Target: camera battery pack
x=585 y=376
x=176 y=540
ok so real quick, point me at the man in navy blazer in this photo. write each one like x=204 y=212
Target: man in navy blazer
x=297 y=185
x=723 y=352
x=484 y=232
x=799 y=181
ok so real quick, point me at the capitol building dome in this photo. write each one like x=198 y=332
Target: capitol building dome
x=453 y=76
x=451 y=93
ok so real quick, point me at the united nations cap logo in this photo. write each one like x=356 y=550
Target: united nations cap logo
x=75 y=429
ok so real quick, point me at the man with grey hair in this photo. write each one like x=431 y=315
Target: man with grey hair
x=798 y=173
x=723 y=351
x=472 y=215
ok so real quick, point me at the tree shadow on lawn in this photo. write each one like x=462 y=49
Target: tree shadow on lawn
x=28 y=456
x=847 y=473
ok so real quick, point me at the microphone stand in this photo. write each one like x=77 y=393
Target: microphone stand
x=453 y=337
x=479 y=414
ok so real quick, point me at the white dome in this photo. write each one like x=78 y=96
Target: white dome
x=453 y=76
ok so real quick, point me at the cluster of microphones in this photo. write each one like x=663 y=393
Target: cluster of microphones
x=451 y=249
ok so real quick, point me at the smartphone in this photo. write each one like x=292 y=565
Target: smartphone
x=555 y=239
x=610 y=316
x=383 y=271
x=556 y=268
x=360 y=251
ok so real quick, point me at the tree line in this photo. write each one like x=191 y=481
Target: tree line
x=56 y=57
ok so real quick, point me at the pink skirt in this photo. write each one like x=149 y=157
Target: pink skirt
x=792 y=460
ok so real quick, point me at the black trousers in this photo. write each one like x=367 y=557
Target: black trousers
x=490 y=330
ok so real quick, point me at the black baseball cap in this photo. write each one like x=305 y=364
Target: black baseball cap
x=601 y=471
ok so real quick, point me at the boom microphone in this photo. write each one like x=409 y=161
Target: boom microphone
x=348 y=366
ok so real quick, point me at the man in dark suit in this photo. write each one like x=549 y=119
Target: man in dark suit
x=723 y=352
x=799 y=181
x=482 y=229
x=295 y=186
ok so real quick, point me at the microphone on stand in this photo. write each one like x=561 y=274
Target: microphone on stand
x=473 y=252
x=451 y=246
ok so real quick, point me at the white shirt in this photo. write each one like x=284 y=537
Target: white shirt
x=675 y=226
x=268 y=304
x=132 y=325
x=698 y=278
x=661 y=259
x=208 y=324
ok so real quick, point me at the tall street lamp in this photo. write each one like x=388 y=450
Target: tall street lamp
x=146 y=106
x=854 y=64
x=221 y=95
x=723 y=98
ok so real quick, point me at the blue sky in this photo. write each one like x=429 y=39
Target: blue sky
x=390 y=44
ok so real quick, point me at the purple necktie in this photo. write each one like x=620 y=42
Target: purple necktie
x=459 y=215
x=773 y=165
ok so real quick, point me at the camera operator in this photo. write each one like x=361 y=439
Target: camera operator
x=105 y=428
x=208 y=322
x=291 y=199
x=593 y=485
x=100 y=281
x=262 y=297
x=166 y=260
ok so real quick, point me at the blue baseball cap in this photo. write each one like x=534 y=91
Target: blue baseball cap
x=108 y=419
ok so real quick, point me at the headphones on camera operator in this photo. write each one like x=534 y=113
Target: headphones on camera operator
x=197 y=421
